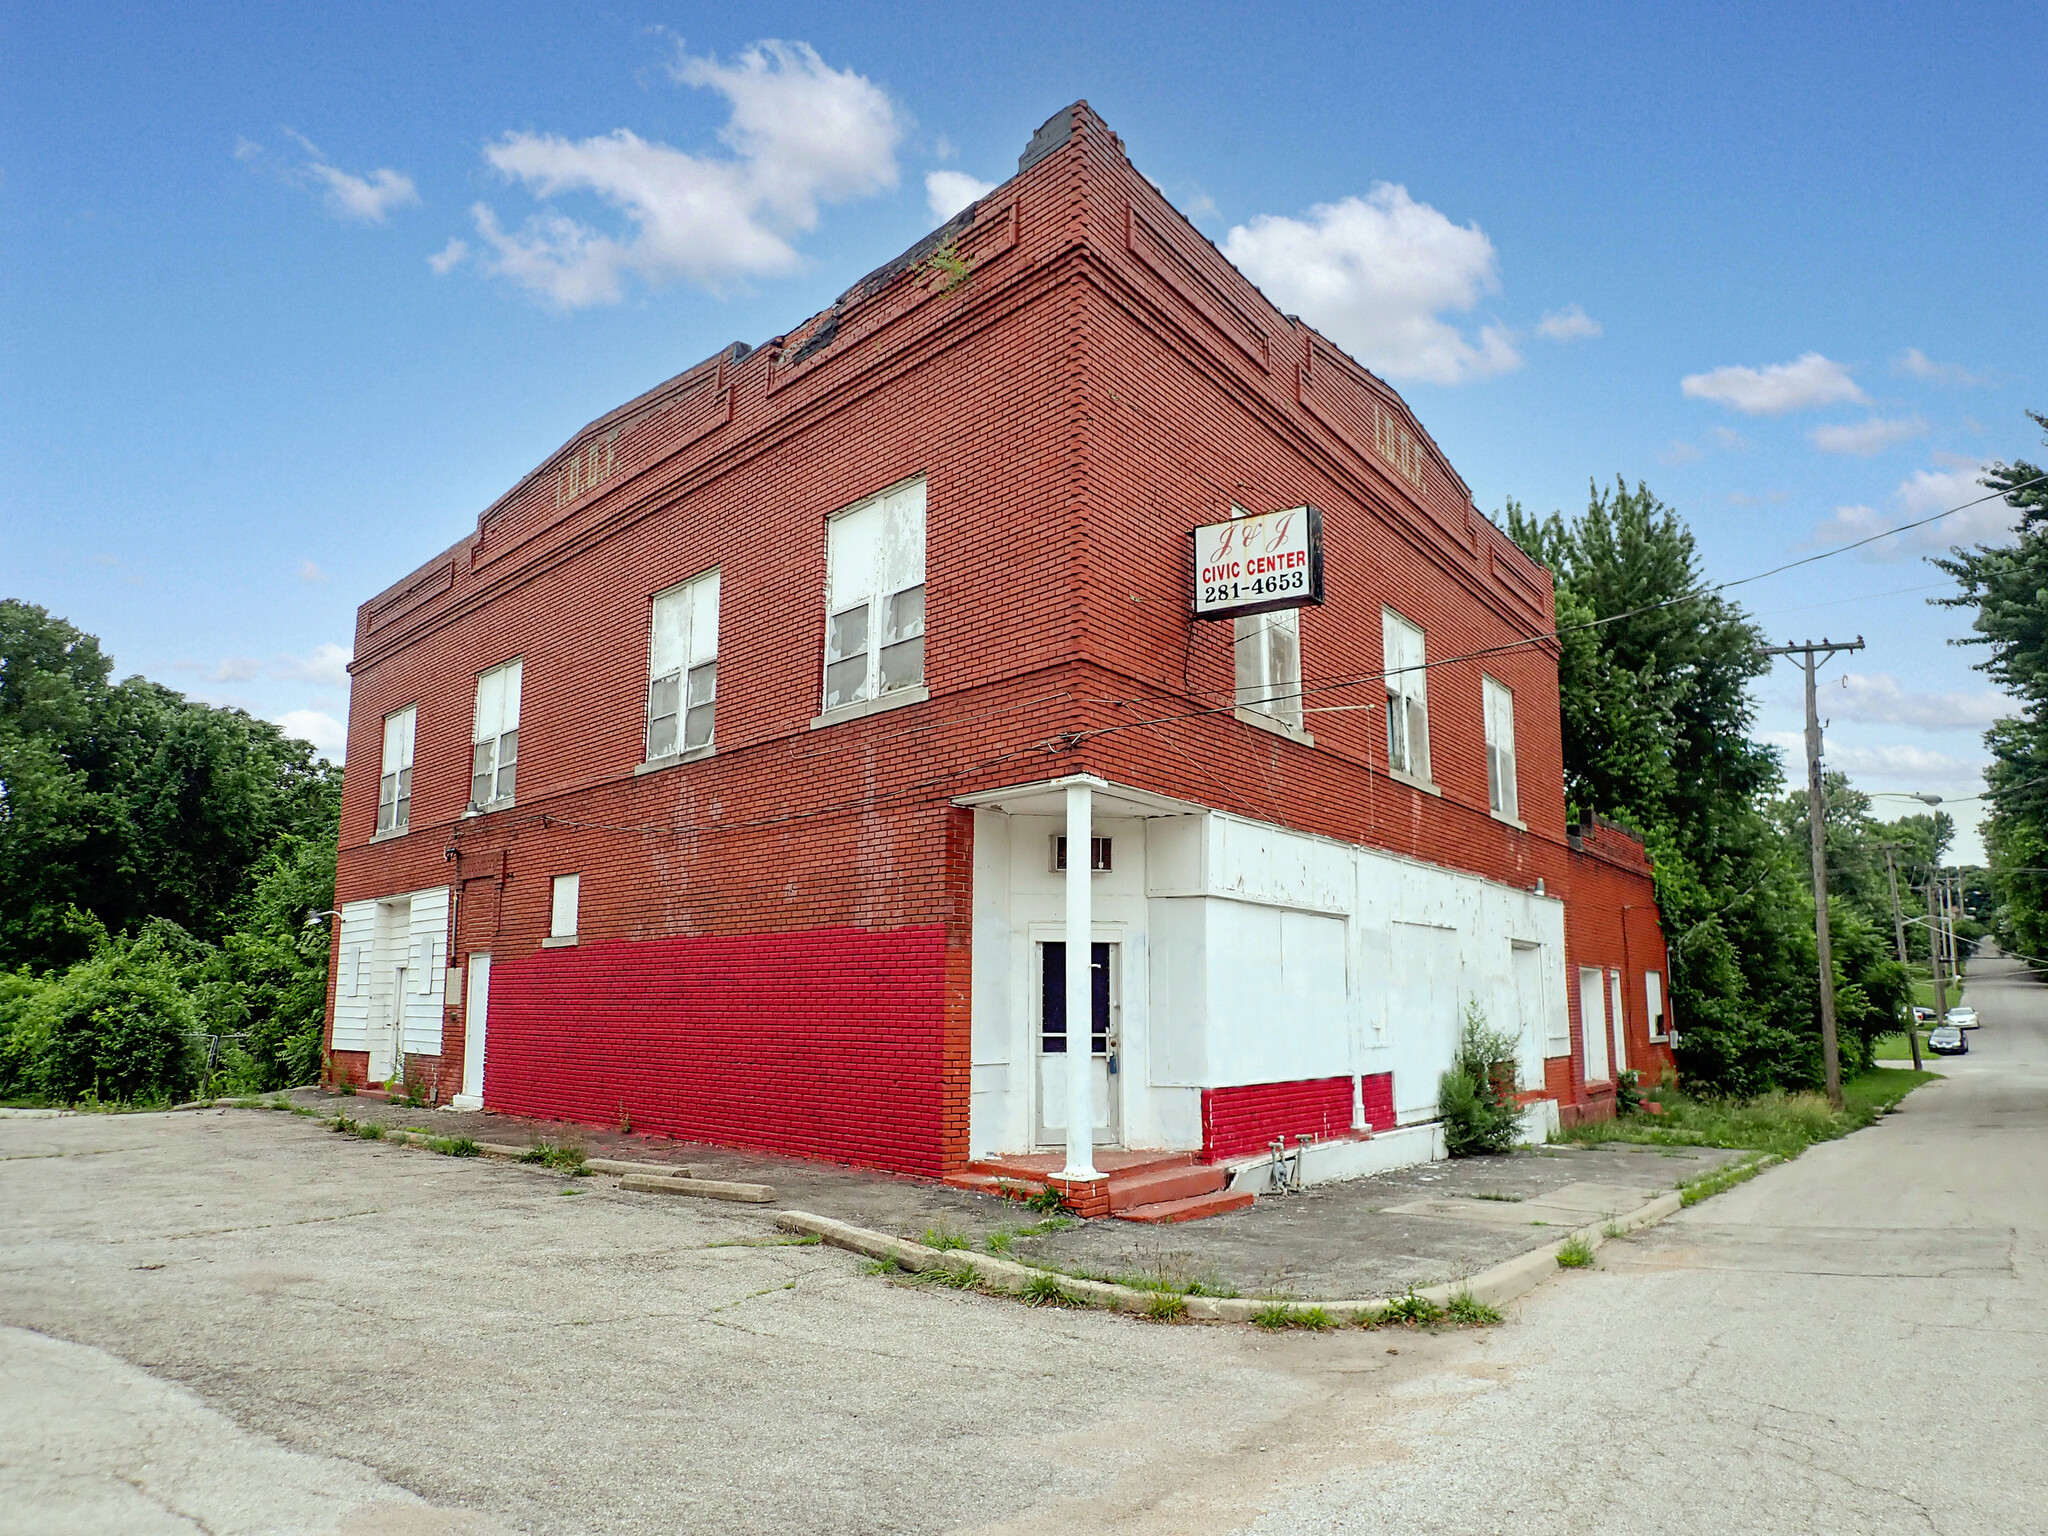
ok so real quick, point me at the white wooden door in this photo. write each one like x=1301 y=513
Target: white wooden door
x=475 y=1012
x=1053 y=1038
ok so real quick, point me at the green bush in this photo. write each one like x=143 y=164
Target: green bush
x=118 y=1027
x=1476 y=1098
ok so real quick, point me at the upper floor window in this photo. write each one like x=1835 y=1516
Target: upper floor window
x=1407 y=698
x=494 y=759
x=394 y=785
x=1269 y=664
x=568 y=895
x=1499 y=703
x=874 y=596
x=682 y=668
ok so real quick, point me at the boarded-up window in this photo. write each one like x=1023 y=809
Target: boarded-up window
x=682 y=668
x=1653 y=1003
x=568 y=894
x=1499 y=704
x=874 y=596
x=1593 y=1021
x=1269 y=664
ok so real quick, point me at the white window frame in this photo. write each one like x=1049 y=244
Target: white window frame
x=394 y=783
x=682 y=670
x=1268 y=663
x=1593 y=1024
x=494 y=742
x=1502 y=792
x=1653 y=1004
x=1405 y=654
x=874 y=611
x=565 y=899
x=1617 y=1025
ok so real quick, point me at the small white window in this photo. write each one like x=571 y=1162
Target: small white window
x=394 y=785
x=495 y=759
x=1269 y=664
x=1593 y=1023
x=874 y=596
x=568 y=892
x=1653 y=1002
x=1499 y=704
x=1098 y=853
x=682 y=668
x=1407 y=697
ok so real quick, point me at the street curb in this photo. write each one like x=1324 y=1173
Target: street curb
x=703 y=1189
x=1503 y=1282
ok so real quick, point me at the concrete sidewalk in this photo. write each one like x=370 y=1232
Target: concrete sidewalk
x=1376 y=1236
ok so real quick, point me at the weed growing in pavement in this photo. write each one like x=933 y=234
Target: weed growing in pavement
x=1612 y=1230
x=961 y=1279
x=1047 y=1227
x=1167 y=1309
x=943 y=1236
x=1693 y=1191
x=1051 y=1202
x=1469 y=1311
x=1575 y=1252
x=453 y=1146
x=343 y=1124
x=880 y=1267
x=370 y=1130
x=1046 y=1291
x=1494 y=1194
x=1784 y=1123
x=1414 y=1309
x=557 y=1155
x=998 y=1241
x=805 y=1240
x=1280 y=1315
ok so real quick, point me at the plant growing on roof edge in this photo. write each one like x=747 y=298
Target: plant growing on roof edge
x=1476 y=1097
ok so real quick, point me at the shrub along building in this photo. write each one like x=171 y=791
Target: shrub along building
x=735 y=775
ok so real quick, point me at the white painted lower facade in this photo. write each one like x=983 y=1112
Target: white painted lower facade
x=1240 y=952
x=392 y=978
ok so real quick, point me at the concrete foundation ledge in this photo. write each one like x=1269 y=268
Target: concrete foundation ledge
x=1331 y=1162
x=1502 y=1283
x=702 y=1189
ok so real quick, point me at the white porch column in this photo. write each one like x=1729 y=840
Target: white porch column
x=1080 y=986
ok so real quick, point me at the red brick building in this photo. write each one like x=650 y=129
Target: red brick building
x=717 y=779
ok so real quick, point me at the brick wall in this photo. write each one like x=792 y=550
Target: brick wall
x=1241 y=1120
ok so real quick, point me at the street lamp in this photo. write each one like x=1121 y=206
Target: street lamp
x=313 y=918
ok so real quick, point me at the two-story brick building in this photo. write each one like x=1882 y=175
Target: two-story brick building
x=718 y=780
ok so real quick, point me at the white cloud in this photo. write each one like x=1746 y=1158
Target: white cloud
x=310 y=572
x=1922 y=494
x=448 y=257
x=1567 y=324
x=1375 y=274
x=236 y=669
x=327 y=734
x=326 y=666
x=947 y=192
x=1677 y=451
x=365 y=199
x=1917 y=767
x=1808 y=381
x=801 y=134
x=944 y=149
x=1915 y=364
x=1729 y=438
x=1877 y=698
x=1865 y=439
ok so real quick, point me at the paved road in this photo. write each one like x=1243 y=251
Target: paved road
x=236 y=1322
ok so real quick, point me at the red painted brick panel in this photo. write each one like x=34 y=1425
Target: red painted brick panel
x=1236 y=1121
x=826 y=1043
x=1378 y=1092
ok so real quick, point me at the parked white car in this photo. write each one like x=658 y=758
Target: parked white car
x=1962 y=1018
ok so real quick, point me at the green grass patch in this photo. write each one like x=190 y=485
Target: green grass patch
x=1046 y=1291
x=1707 y=1185
x=1163 y=1308
x=370 y=1130
x=1469 y=1311
x=1413 y=1309
x=1898 y=1048
x=1575 y=1253
x=998 y=1242
x=961 y=1279
x=1280 y=1315
x=1047 y=1227
x=1494 y=1194
x=1783 y=1123
x=880 y=1267
x=944 y=1236
x=557 y=1155
x=1050 y=1202
x=454 y=1146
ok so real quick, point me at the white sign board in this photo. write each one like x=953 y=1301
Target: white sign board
x=1257 y=564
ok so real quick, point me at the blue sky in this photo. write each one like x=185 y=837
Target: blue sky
x=261 y=353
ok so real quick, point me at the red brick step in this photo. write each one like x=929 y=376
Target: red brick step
x=1158 y=1185
x=1190 y=1209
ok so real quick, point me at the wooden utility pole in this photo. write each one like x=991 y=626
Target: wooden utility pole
x=1891 y=874
x=1816 y=815
x=1934 y=951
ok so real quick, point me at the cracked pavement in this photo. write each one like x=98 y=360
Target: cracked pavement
x=237 y=1322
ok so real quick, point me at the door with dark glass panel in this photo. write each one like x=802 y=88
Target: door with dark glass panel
x=1054 y=1039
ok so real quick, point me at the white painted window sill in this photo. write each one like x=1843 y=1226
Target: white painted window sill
x=656 y=764
x=1509 y=821
x=559 y=941
x=485 y=810
x=1273 y=723
x=860 y=709
x=1402 y=776
x=385 y=837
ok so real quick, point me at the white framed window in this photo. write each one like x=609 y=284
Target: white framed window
x=1618 y=1017
x=394 y=785
x=874 y=596
x=1498 y=700
x=682 y=668
x=1269 y=664
x=1593 y=1022
x=494 y=759
x=562 y=915
x=1407 y=697
x=1653 y=1003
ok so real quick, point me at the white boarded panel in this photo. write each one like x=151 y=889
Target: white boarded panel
x=352 y=991
x=1427 y=1014
x=1279 y=1009
x=427 y=971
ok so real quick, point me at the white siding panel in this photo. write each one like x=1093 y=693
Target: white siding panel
x=352 y=995
x=427 y=972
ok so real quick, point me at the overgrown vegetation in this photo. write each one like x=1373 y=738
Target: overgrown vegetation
x=557 y=1155
x=1476 y=1097
x=158 y=858
x=1657 y=709
x=1779 y=1122
x=1575 y=1252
